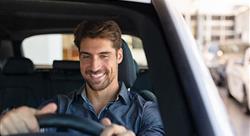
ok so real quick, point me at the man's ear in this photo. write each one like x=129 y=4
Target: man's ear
x=119 y=55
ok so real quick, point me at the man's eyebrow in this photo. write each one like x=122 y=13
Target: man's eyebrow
x=87 y=53
x=105 y=52
x=83 y=52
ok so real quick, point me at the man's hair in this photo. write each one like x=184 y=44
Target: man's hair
x=98 y=29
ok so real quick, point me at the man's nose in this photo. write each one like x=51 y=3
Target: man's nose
x=95 y=64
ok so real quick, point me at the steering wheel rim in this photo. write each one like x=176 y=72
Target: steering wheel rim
x=87 y=126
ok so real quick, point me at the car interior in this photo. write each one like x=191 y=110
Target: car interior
x=168 y=79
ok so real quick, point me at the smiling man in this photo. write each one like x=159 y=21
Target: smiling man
x=102 y=98
x=98 y=62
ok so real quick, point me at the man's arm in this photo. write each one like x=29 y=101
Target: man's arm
x=151 y=124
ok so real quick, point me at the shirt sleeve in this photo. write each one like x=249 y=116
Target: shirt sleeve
x=151 y=124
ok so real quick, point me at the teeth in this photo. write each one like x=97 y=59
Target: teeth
x=97 y=75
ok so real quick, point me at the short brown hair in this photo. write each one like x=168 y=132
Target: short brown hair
x=98 y=29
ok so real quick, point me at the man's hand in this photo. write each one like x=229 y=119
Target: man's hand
x=115 y=130
x=23 y=120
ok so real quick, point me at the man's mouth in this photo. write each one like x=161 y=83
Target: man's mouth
x=97 y=76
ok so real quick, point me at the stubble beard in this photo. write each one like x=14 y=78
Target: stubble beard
x=103 y=84
x=98 y=87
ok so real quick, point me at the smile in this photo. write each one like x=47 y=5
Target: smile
x=97 y=76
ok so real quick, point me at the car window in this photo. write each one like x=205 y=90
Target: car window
x=44 y=49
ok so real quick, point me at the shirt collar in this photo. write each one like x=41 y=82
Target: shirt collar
x=123 y=93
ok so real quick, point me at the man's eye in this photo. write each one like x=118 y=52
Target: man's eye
x=104 y=56
x=85 y=56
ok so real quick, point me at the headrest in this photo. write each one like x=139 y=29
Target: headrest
x=66 y=65
x=126 y=69
x=18 y=66
x=6 y=49
x=136 y=67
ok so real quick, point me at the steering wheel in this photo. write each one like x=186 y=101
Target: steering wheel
x=86 y=126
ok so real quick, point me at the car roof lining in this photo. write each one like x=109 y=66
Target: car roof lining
x=64 y=16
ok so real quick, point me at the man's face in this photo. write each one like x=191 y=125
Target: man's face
x=99 y=62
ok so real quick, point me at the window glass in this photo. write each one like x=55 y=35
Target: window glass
x=136 y=47
x=44 y=49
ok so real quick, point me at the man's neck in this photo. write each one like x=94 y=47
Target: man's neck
x=99 y=99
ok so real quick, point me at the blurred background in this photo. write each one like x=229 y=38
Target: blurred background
x=221 y=29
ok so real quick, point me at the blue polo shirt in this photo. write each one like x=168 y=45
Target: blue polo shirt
x=129 y=110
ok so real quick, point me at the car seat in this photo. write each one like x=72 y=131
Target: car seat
x=128 y=73
x=19 y=85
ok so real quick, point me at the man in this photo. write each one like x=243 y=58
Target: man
x=102 y=98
